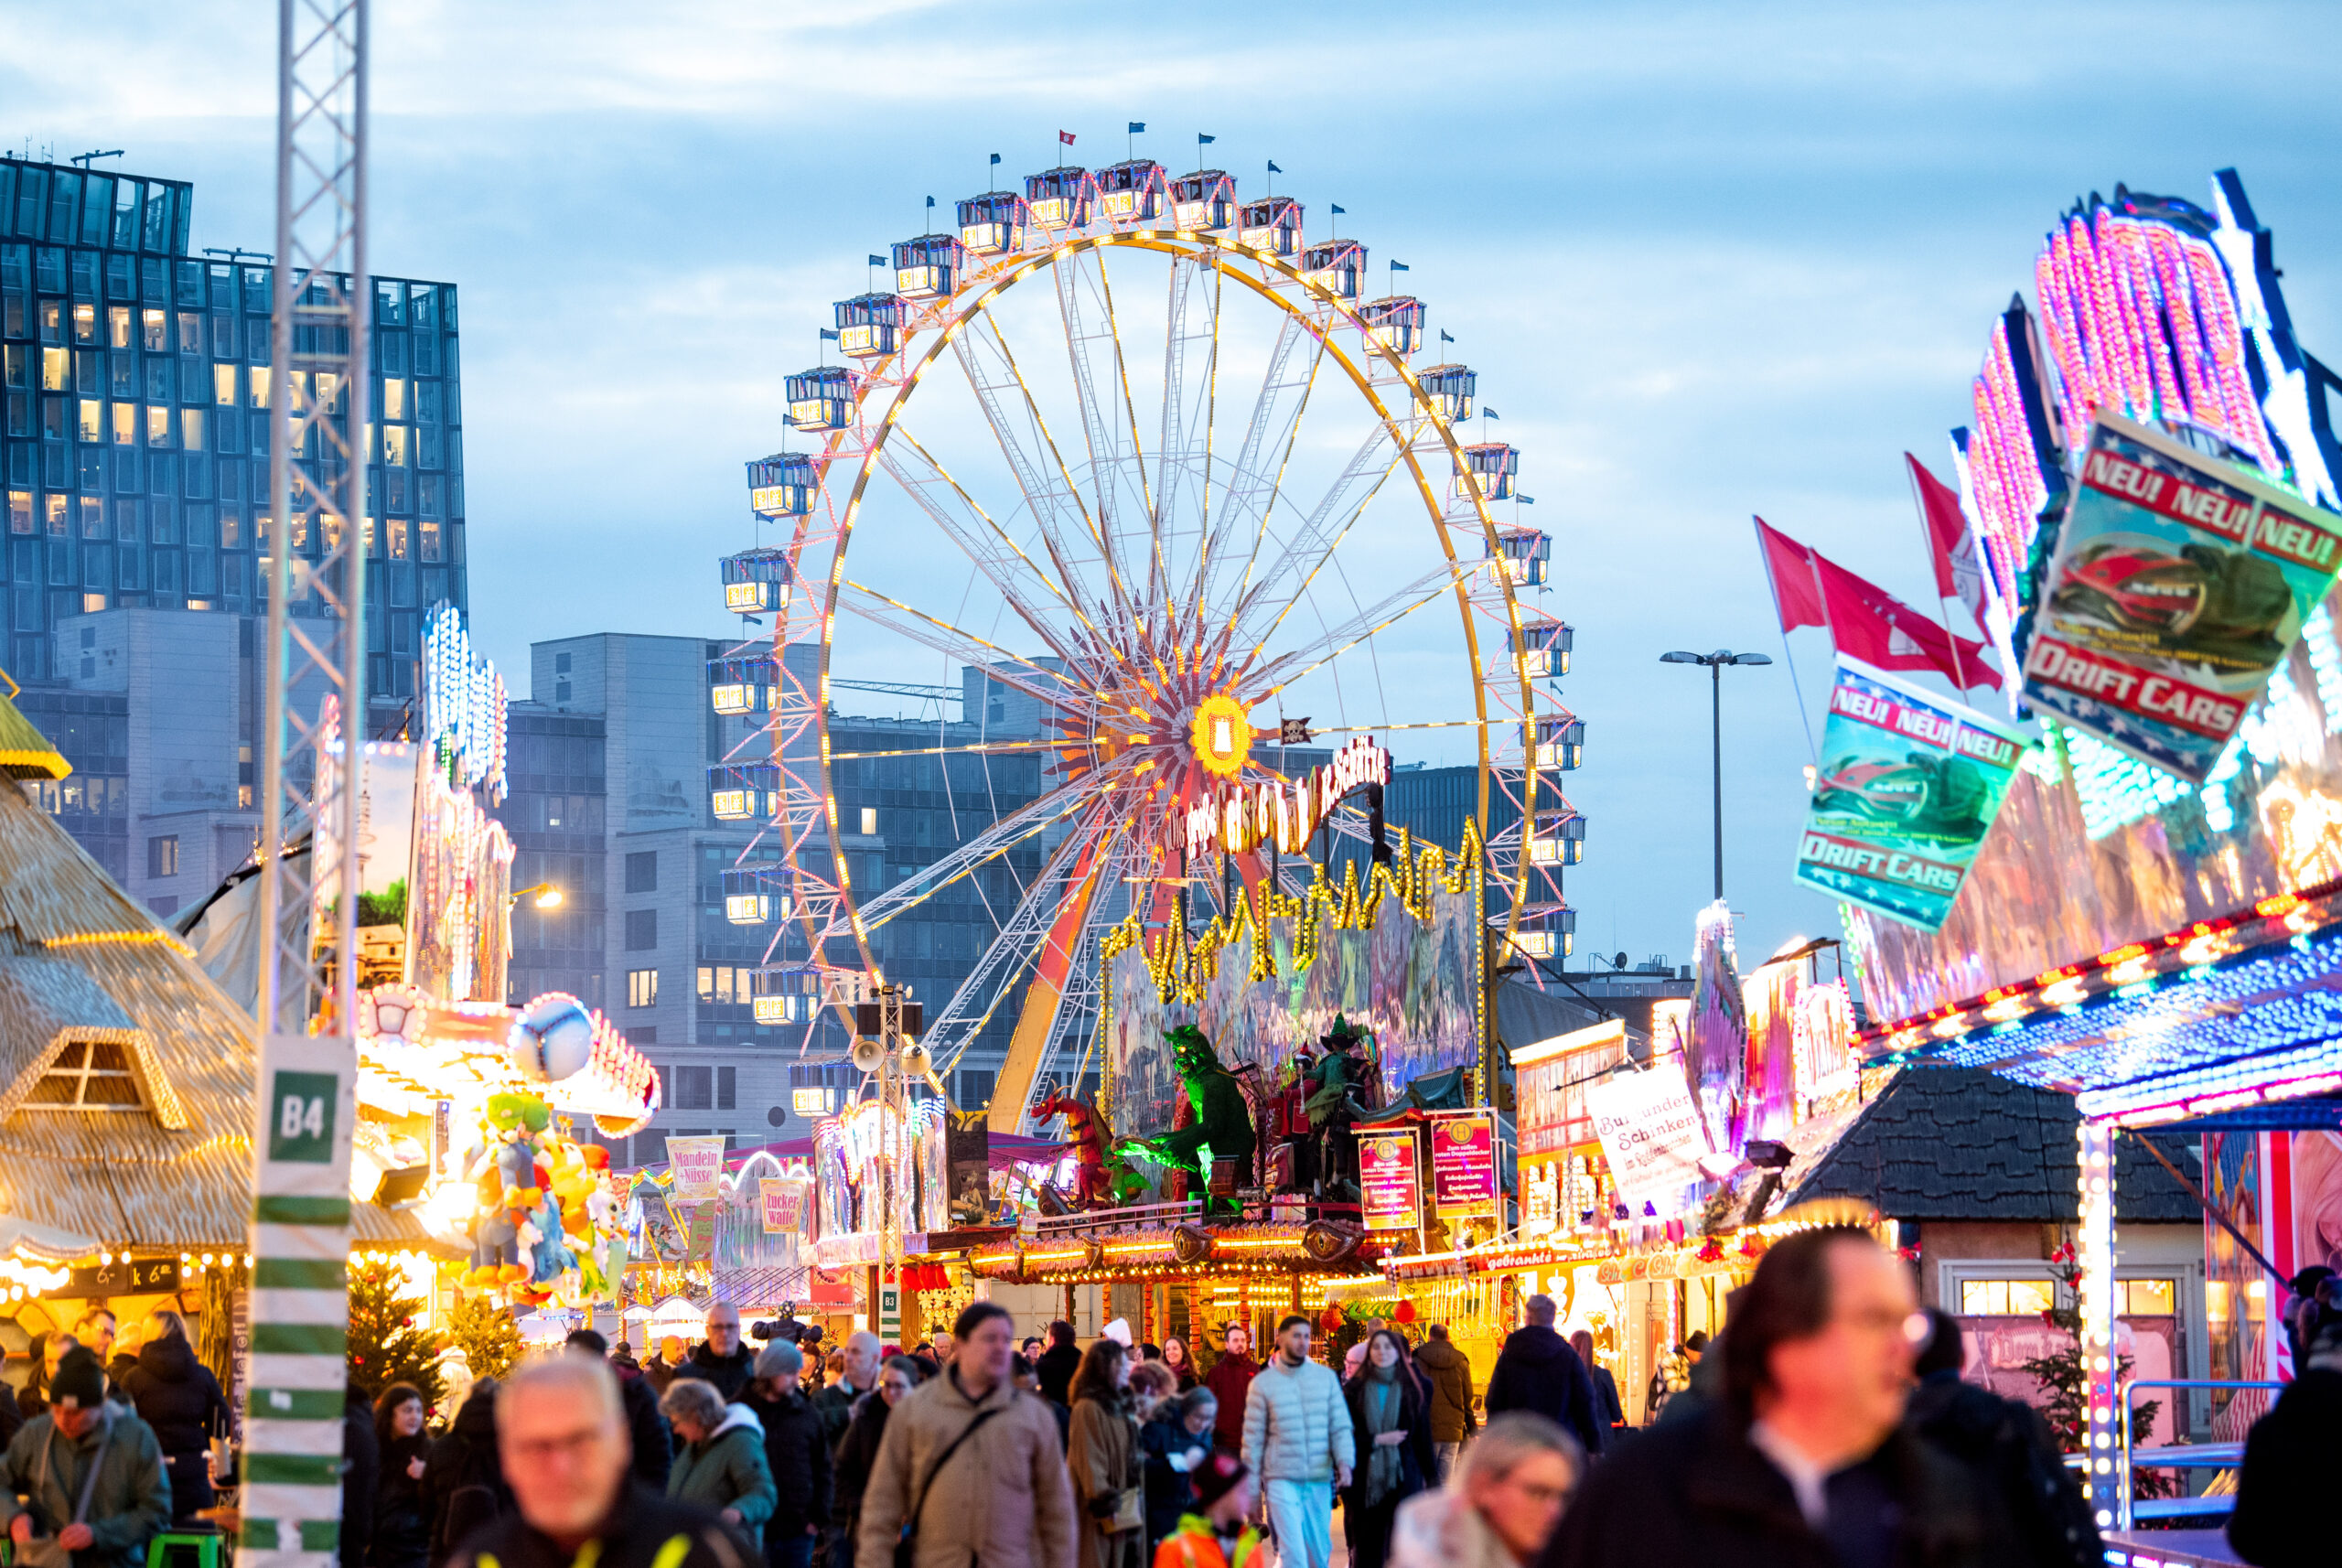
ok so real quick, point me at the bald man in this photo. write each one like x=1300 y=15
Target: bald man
x=561 y=1432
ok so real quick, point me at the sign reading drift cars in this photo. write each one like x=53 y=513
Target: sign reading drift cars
x=1907 y=788
x=2180 y=583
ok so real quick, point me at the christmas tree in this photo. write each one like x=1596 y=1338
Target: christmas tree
x=385 y=1345
x=487 y=1336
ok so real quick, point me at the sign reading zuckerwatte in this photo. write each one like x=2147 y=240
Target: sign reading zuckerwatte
x=1908 y=786
x=1651 y=1133
x=2179 y=582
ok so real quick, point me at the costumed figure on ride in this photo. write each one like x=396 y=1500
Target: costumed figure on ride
x=1223 y=1118
x=1339 y=1081
x=1100 y=1178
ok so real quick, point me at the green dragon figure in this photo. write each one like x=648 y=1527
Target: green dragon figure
x=1223 y=1118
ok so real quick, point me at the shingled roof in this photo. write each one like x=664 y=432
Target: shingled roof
x=1960 y=1144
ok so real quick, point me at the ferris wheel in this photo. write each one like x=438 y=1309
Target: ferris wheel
x=1138 y=467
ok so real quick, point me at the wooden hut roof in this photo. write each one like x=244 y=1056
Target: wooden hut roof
x=79 y=960
x=24 y=752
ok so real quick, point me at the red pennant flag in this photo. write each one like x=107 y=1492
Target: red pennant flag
x=1863 y=618
x=1872 y=625
x=1797 y=592
x=1066 y=137
x=1960 y=571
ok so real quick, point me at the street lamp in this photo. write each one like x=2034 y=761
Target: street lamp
x=1715 y=662
x=548 y=896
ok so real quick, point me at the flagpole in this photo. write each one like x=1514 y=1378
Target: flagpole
x=1798 y=690
x=1943 y=605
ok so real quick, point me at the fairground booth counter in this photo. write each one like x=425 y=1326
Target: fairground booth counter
x=1654 y=1170
x=2152 y=919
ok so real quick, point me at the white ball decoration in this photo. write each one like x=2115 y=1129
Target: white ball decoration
x=551 y=1039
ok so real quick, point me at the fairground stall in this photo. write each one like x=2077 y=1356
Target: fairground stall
x=2154 y=924
x=1653 y=1170
x=1276 y=1090
x=126 y=1103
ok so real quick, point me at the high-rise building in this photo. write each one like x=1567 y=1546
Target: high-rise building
x=608 y=803
x=134 y=380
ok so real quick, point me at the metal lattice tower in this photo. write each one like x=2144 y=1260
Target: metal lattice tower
x=312 y=762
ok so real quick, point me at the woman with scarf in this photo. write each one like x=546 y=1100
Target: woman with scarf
x=1182 y=1365
x=1101 y=1452
x=1392 y=1428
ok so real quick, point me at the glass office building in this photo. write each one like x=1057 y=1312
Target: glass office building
x=135 y=378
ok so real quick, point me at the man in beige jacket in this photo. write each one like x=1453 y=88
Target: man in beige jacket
x=1001 y=1497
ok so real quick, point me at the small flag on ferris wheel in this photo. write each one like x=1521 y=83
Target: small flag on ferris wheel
x=1444 y=337
x=1400 y=268
x=877 y=261
x=828 y=336
x=1204 y=141
x=1066 y=137
x=1138 y=127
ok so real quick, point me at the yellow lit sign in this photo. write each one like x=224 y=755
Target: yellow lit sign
x=1221 y=735
x=809 y=1102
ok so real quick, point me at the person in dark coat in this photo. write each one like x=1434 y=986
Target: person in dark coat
x=2284 y=1510
x=1391 y=1424
x=858 y=1449
x=1059 y=1362
x=402 y=1526
x=32 y=1400
x=1448 y=1372
x=1807 y=1462
x=178 y=1397
x=2009 y=1452
x=1607 y=1408
x=1229 y=1379
x=646 y=1425
x=721 y=1359
x=361 y=1472
x=1173 y=1444
x=1537 y=1370
x=796 y=1453
x=463 y=1476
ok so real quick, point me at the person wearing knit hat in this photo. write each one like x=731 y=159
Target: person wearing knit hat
x=797 y=1451
x=49 y=1460
x=1215 y=1535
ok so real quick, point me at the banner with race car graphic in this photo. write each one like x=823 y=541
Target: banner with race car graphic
x=1906 y=788
x=2179 y=582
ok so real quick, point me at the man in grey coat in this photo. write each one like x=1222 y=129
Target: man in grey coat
x=1297 y=1439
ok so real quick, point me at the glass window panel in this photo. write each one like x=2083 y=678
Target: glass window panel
x=191 y=429
x=223 y=385
x=256 y=384
x=190 y=332
x=96 y=210
x=125 y=423
x=15 y=357
x=85 y=322
x=118 y=326
x=20 y=511
x=64 y=206
x=161 y=379
x=125 y=381
x=56 y=365
x=128 y=195
x=395 y=398
x=87 y=375
x=427 y=401
x=158 y=217
x=94 y=418
x=395 y=445
x=54 y=521
x=154 y=330
x=52 y=320
x=93 y=518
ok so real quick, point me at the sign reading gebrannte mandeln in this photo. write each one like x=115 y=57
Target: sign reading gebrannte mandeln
x=2180 y=583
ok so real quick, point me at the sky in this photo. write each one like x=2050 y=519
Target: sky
x=1708 y=260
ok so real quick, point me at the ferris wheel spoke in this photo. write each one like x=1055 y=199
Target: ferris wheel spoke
x=1018 y=945
x=1011 y=571
x=1010 y=669
x=1252 y=492
x=1183 y=461
x=965 y=860
x=1285 y=580
x=1337 y=639
x=1068 y=533
x=1109 y=419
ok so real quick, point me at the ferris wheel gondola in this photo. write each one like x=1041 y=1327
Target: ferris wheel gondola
x=1127 y=454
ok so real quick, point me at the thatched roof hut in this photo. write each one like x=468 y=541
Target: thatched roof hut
x=125 y=1073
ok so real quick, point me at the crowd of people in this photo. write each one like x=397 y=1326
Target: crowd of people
x=1830 y=1426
